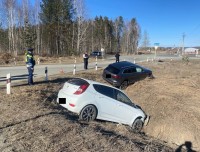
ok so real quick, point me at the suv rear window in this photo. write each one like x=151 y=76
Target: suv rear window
x=77 y=81
x=112 y=69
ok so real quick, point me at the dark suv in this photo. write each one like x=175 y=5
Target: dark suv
x=121 y=74
x=96 y=54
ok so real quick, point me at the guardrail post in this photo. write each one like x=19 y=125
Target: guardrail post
x=38 y=61
x=46 y=74
x=74 y=71
x=15 y=62
x=8 y=83
x=96 y=63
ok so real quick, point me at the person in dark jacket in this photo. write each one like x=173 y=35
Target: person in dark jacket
x=85 y=59
x=117 y=56
x=30 y=63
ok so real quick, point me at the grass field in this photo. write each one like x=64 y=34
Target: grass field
x=31 y=120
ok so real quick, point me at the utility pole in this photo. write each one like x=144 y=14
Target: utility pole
x=183 y=43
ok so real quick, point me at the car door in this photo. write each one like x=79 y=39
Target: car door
x=130 y=74
x=105 y=100
x=125 y=108
x=140 y=73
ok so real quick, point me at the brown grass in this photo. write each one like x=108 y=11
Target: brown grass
x=20 y=60
x=32 y=121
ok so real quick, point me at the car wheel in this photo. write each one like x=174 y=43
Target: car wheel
x=137 y=125
x=151 y=76
x=88 y=113
x=124 y=85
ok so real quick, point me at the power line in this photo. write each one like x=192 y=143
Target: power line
x=198 y=26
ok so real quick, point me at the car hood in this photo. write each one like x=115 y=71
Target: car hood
x=147 y=70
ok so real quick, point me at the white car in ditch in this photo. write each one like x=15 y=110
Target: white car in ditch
x=93 y=100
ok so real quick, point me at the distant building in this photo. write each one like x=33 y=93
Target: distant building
x=191 y=51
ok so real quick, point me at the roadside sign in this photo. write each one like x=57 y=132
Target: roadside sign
x=156 y=45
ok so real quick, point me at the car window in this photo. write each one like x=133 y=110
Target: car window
x=112 y=69
x=139 y=69
x=120 y=96
x=105 y=90
x=129 y=70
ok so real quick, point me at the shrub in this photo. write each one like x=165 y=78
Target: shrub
x=185 y=59
x=6 y=57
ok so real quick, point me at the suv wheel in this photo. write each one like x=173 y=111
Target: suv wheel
x=124 y=85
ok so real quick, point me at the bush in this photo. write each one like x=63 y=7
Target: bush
x=6 y=57
x=185 y=59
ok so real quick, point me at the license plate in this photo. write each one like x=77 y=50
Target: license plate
x=62 y=101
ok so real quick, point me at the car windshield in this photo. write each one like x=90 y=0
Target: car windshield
x=112 y=69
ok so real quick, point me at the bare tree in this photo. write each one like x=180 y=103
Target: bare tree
x=37 y=25
x=145 y=40
x=131 y=36
x=82 y=25
x=10 y=9
x=19 y=29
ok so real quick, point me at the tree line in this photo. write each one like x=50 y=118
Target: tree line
x=61 y=28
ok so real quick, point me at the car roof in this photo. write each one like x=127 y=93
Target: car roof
x=95 y=82
x=96 y=51
x=123 y=64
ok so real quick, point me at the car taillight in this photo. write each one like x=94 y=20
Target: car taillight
x=81 y=89
x=115 y=76
x=72 y=105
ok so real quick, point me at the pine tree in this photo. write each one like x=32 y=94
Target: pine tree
x=56 y=17
x=29 y=36
x=118 y=24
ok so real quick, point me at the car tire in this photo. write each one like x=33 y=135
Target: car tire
x=88 y=113
x=124 y=85
x=137 y=125
x=151 y=76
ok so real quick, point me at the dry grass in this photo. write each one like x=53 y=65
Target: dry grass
x=172 y=99
x=32 y=121
x=20 y=60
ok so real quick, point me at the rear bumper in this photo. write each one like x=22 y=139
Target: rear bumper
x=69 y=101
x=113 y=82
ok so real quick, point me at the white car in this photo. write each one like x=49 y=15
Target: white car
x=93 y=100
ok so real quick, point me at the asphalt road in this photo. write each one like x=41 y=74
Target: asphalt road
x=19 y=73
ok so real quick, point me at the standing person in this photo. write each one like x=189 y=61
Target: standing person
x=85 y=59
x=30 y=63
x=117 y=56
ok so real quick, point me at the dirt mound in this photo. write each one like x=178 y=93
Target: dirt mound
x=172 y=100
